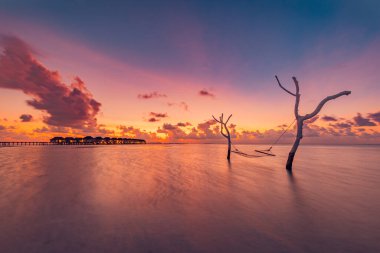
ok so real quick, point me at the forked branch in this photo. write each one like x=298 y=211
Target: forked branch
x=282 y=87
x=301 y=119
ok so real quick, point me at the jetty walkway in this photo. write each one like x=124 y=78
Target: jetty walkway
x=64 y=143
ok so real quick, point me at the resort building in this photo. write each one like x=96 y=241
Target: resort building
x=89 y=140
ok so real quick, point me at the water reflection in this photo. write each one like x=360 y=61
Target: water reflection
x=188 y=198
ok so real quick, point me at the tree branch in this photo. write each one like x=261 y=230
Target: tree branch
x=228 y=119
x=324 y=101
x=298 y=96
x=279 y=83
x=216 y=119
x=223 y=125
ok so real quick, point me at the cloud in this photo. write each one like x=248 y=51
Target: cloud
x=155 y=116
x=153 y=120
x=182 y=105
x=2 y=127
x=26 y=118
x=375 y=116
x=342 y=125
x=207 y=131
x=312 y=120
x=167 y=126
x=181 y=124
x=132 y=132
x=328 y=118
x=69 y=106
x=106 y=132
x=41 y=130
x=154 y=94
x=158 y=115
x=204 y=92
x=361 y=121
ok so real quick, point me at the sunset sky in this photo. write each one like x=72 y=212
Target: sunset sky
x=158 y=70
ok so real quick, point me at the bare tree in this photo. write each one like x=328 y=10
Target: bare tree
x=227 y=135
x=300 y=119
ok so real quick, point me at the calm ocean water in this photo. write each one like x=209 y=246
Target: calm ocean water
x=188 y=198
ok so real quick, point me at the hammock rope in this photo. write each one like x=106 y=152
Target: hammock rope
x=265 y=152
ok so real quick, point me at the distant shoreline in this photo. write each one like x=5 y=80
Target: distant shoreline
x=180 y=143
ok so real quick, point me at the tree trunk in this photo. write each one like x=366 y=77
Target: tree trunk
x=292 y=153
x=229 y=149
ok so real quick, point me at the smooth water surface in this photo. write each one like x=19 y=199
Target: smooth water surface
x=188 y=198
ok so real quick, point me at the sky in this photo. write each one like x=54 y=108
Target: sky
x=159 y=70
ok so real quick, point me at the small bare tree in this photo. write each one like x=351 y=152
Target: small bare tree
x=227 y=135
x=300 y=119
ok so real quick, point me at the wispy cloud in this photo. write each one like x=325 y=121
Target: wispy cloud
x=182 y=105
x=154 y=94
x=158 y=115
x=206 y=93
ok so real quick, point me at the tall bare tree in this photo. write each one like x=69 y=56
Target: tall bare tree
x=227 y=135
x=301 y=118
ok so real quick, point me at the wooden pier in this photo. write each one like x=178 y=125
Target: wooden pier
x=24 y=143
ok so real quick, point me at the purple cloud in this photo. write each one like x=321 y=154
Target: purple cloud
x=26 y=118
x=342 y=125
x=153 y=120
x=375 y=116
x=167 y=126
x=69 y=106
x=204 y=92
x=329 y=118
x=361 y=121
x=181 y=124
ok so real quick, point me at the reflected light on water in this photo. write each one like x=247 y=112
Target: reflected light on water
x=188 y=198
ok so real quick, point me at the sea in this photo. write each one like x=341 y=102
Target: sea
x=188 y=198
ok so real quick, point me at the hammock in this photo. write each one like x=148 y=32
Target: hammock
x=238 y=152
x=262 y=152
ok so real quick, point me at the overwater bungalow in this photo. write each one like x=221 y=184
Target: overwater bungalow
x=89 y=140
x=57 y=140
